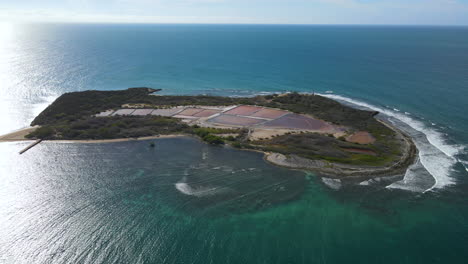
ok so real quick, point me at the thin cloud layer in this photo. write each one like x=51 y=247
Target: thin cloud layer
x=419 y=12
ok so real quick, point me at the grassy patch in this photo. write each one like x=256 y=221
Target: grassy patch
x=318 y=146
x=113 y=127
x=71 y=117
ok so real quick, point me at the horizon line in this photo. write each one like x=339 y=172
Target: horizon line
x=227 y=24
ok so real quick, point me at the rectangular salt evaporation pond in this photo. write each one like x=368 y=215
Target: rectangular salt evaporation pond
x=269 y=113
x=105 y=113
x=207 y=113
x=190 y=111
x=235 y=120
x=244 y=110
x=166 y=112
x=142 y=112
x=122 y=112
x=295 y=121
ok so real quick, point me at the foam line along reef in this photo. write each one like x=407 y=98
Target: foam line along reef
x=436 y=155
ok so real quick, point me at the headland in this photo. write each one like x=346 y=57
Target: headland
x=297 y=131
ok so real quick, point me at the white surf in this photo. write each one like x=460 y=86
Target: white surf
x=199 y=191
x=436 y=155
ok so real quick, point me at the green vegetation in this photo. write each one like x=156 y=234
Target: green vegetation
x=71 y=116
x=318 y=146
x=113 y=127
x=207 y=134
x=76 y=105
x=42 y=132
x=126 y=127
x=212 y=139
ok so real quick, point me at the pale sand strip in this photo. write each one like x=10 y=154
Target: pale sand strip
x=93 y=141
x=20 y=136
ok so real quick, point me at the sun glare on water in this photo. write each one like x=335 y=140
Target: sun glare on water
x=6 y=38
x=6 y=32
x=7 y=52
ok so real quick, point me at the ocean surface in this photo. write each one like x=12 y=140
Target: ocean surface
x=187 y=202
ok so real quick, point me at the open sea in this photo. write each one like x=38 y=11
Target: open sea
x=187 y=202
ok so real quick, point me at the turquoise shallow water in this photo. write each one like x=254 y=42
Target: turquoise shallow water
x=119 y=203
x=186 y=202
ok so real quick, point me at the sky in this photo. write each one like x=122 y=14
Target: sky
x=374 y=12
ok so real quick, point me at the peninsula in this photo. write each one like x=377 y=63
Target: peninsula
x=298 y=131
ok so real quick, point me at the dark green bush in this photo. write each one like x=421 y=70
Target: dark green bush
x=212 y=139
x=42 y=132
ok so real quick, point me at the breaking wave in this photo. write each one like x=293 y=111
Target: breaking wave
x=200 y=191
x=435 y=154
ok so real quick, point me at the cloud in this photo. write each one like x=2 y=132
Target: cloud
x=241 y=11
x=168 y=2
x=44 y=15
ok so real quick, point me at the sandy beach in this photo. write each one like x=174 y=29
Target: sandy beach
x=291 y=161
x=19 y=135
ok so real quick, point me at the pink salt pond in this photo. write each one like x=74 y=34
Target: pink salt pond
x=207 y=113
x=269 y=113
x=295 y=121
x=235 y=120
x=244 y=110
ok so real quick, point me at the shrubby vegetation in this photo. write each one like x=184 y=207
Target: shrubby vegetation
x=76 y=105
x=71 y=116
x=319 y=146
x=42 y=132
x=126 y=127
x=208 y=134
x=113 y=127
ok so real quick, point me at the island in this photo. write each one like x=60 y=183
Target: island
x=294 y=130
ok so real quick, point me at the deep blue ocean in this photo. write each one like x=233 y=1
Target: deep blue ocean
x=125 y=203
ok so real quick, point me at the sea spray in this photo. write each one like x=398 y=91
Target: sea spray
x=200 y=191
x=437 y=156
x=416 y=179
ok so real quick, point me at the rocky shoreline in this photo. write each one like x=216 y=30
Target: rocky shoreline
x=310 y=131
x=344 y=171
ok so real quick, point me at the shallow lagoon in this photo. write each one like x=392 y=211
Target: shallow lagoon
x=187 y=202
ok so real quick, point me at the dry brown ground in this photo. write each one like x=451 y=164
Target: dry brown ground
x=267 y=133
x=361 y=137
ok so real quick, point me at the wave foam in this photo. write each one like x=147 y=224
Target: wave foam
x=436 y=155
x=335 y=184
x=465 y=165
x=198 y=192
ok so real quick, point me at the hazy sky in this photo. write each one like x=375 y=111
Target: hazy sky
x=434 y=12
